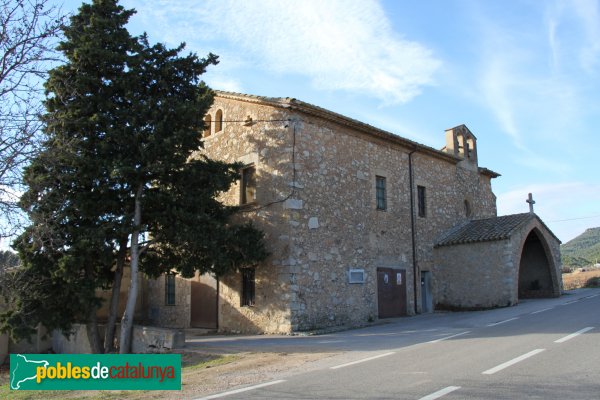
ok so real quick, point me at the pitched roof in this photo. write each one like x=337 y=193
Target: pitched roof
x=488 y=229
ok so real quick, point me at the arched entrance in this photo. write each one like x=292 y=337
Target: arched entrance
x=535 y=269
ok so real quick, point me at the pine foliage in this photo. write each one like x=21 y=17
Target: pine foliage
x=123 y=120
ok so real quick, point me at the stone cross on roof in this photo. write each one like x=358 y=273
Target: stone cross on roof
x=531 y=202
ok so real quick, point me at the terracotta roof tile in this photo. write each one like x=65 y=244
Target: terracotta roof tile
x=483 y=230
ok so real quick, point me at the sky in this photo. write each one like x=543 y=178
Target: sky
x=523 y=76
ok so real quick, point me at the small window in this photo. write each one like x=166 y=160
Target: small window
x=467 y=209
x=421 y=201
x=248 y=286
x=248 y=185
x=170 y=289
x=356 y=276
x=380 y=195
x=207 y=125
x=219 y=121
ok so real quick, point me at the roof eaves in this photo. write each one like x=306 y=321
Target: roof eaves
x=488 y=172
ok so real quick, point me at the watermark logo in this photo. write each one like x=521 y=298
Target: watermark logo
x=95 y=372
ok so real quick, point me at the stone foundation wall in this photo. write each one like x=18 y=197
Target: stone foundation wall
x=168 y=316
x=39 y=342
x=145 y=339
x=475 y=275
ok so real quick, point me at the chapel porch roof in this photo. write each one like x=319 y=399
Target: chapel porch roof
x=487 y=229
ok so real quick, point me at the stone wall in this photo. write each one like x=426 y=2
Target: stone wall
x=475 y=275
x=266 y=143
x=339 y=228
x=159 y=313
x=486 y=274
x=324 y=221
x=447 y=189
x=144 y=339
x=39 y=342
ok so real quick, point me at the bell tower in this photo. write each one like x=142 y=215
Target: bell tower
x=463 y=144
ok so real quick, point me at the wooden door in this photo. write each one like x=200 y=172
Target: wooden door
x=204 y=302
x=391 y=292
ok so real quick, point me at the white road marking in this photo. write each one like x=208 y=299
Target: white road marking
x=594 y=295
x=330 y=341
x=440 y=393
x=242 y=390
x=572 y=335
x=511 y=362
x=569 y=302
x=448 y=337
x=503 y=322
x=363 y=360
x=539 y=311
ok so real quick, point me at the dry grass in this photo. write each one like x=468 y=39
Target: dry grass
x=575 y=280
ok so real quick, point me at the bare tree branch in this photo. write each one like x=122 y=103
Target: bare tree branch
x=28 y=33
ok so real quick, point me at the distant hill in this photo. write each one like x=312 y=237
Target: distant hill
x=582 y=251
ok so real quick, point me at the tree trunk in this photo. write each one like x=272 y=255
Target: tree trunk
x=93 y=335
x=127 y=320
x=109 y=335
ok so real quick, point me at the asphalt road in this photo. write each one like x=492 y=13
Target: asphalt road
x=541 y=349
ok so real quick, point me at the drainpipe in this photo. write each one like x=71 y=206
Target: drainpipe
x=412 y=225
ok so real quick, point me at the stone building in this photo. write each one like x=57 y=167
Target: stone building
x=361 y=224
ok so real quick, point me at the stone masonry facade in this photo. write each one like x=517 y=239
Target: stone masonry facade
x=487 y=272
x=316 y=202
x=342 y=204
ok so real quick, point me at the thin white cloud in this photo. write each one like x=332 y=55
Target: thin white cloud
x=497 y=89
x=338 y=44
x=522 y=84
x=589 y=16
x=574 y=34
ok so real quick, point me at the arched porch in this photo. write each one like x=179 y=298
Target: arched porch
x=537 y=272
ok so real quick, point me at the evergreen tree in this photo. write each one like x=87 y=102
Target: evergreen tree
x=115 y=182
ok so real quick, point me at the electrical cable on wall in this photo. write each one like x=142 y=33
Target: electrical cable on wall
x=293 y=191
x=294 y=127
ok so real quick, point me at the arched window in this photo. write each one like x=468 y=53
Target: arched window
x=461 y=144
x=207 y=125
x=470 y=148
x=219 y=121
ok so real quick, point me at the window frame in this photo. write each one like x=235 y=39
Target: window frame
x=170 y=289
x=248 y=292
x=218 y=121
x=244 y=185
x=380 y=193
x=421 y=201
x=207 y=126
